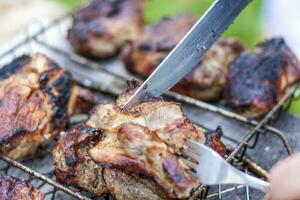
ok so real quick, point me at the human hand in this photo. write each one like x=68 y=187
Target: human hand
x=285 y=180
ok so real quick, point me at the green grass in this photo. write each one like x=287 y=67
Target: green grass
x=295 y=105
x=71 y=4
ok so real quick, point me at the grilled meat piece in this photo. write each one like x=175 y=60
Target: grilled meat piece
x=133 y=154
x=213 y=140
x=208 y=78
x=102 y=28
x=14 y=189
x=257 y=80
x=74 y=166
x=155 y=42
x=36 y=99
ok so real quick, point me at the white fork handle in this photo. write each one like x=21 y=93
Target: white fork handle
x=256 y=183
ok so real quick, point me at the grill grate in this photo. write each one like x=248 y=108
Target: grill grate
x=33 y=169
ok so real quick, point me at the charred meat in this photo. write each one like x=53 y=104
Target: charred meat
x=132 y=154
x=257 y=80
x=14 y=189
x=207 y=80
x=103 y=27
x=36 y=99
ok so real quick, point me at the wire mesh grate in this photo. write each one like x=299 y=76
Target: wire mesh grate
x=32 y=170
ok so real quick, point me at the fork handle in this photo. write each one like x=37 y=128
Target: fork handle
x=256 y=183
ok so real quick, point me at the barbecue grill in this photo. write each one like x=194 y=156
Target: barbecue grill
x=254 y=145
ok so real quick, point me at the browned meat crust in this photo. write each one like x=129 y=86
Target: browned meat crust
x=206 y=81
x=102 y=28
x=15 y=189
x=213 y=140
x=81 y=100
x=258 y=79
x=155 y=42
x=134 y=154
x=36 y=98
x=74 y=166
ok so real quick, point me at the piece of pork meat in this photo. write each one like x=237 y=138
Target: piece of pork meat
x=36 y=99
x=102 y=28
x=15 y=189
x=132 y=154
x=258 y=79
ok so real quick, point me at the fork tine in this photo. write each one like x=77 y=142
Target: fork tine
x=191 y=154
x=193 y=174
x=190 y=164
x=213 y=169
x=193 y=145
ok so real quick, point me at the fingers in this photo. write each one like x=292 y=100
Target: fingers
x=268 y=196
x=285 y=180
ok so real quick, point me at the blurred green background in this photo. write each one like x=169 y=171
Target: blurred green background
x=247 y=26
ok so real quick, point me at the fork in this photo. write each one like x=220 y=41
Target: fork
x=212 y=169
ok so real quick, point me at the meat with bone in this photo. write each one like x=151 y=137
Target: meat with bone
x=103 y=27
x=132 y=154
x=14 y=189
x=208 y=78
x=257 y=80
x=36 y=99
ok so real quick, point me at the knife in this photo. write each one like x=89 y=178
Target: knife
x=189 y=50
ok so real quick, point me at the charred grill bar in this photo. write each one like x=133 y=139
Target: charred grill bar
x=237 y=154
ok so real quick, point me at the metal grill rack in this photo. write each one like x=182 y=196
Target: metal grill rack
x=50 y=39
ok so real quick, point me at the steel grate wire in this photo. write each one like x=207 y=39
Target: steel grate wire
x=29 y=168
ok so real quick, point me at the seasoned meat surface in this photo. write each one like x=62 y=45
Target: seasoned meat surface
x=208 y=78
x=14 y=189
x=135 y=154
x=103 y=27
x=155 y=42
x=258 y=79
x=213 y=140
x=134 y=144
x=74 y=166
x=36 y=98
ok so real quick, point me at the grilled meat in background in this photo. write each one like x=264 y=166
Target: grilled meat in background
x=155 y=42
x=133 y=154
x=102 y=28
x=253 y=85
x=258 y=79
x=36 y=99
x=15 y=189
x=208 y=78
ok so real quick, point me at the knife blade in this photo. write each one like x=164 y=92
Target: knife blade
x=189 y=50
